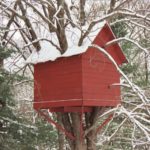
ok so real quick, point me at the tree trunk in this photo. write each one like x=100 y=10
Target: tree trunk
x=79 y=142
x=61 y=138
x=82 y=12
x=72 y=123
x=60 y=27
x=91 y=140
x=89 y=143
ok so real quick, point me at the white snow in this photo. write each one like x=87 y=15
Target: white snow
x=49 y=52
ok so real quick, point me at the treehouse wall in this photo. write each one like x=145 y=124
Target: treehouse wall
x=58 y=83
x=86 y=79
x=98 y=77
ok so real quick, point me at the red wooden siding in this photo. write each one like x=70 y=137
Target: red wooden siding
x=58 y=83
x=75 y=81
x=98 y=75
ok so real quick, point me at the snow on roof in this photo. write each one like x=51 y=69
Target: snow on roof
x=49 y=52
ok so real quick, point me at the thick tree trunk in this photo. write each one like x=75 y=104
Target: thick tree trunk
x=61 y=138
x=79 y=142
x=72 y=123
x=91 y=140
x=112 y=5
x=61 y=27
x=68 y=126
x=51 y=12
x=89 y=143
x=90 y=121
x=82 y=12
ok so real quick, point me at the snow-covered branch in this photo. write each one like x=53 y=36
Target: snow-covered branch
x=132 y=21
x=41 y=15
x=136 y=89
x=137 y=119
x=111 y=15
x=18 y=123
x=42 y=39
x=129 y=40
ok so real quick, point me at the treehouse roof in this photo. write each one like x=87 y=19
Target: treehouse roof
x=49 y=52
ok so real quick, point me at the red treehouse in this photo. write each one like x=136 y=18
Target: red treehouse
x=82 y=81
